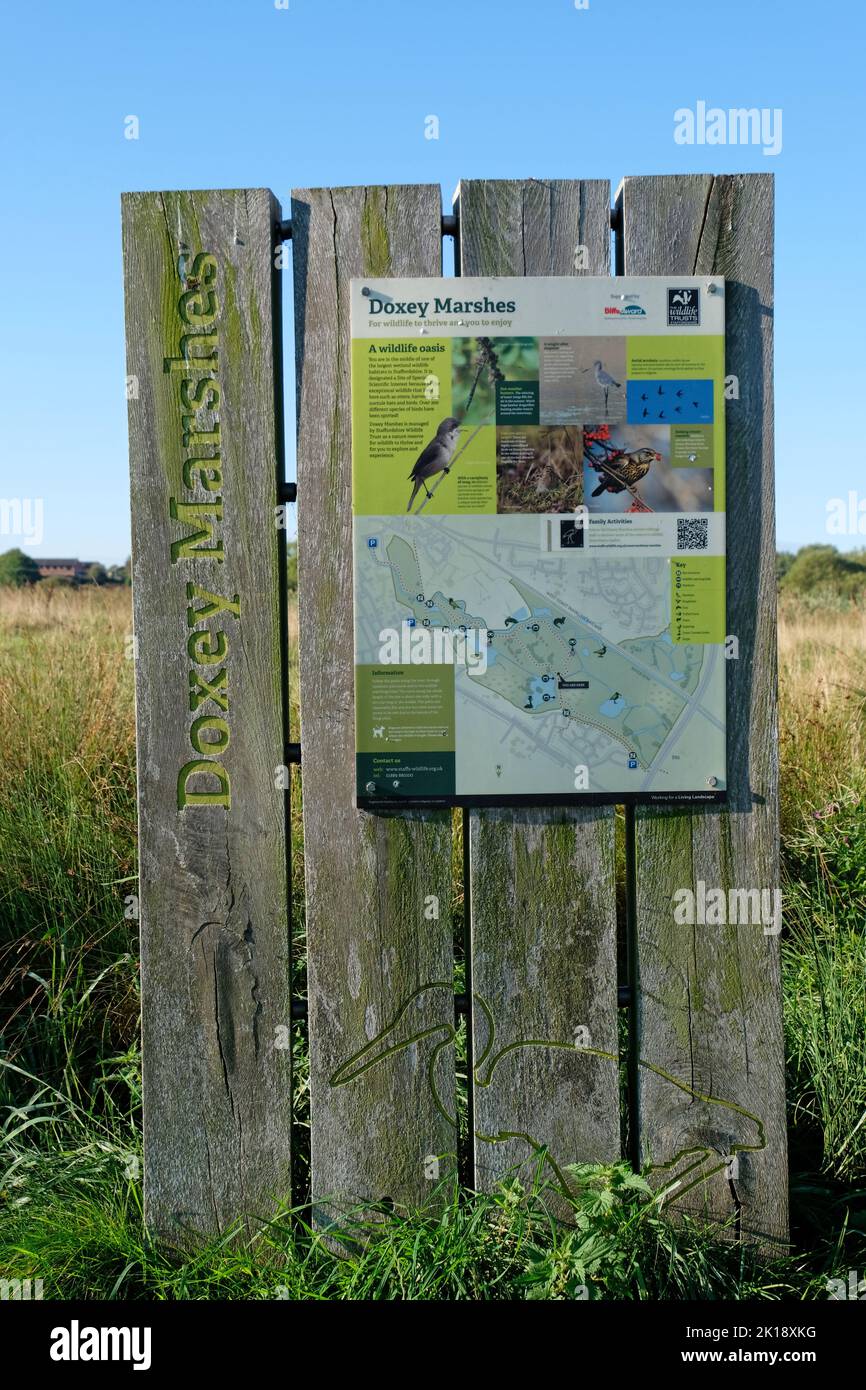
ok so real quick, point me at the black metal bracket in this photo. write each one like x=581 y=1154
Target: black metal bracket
x=284 y=230
x=288 y=492
x=293 y=753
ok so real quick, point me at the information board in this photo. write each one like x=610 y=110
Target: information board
x=538 y=489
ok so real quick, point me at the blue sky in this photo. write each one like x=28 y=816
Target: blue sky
x=239 y=93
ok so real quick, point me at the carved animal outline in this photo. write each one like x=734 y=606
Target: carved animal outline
x=373 y=1054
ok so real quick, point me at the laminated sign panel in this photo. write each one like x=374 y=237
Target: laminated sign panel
x=538 y=484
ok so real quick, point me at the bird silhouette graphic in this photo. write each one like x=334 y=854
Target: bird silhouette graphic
x=435 y=457
x=626 y=471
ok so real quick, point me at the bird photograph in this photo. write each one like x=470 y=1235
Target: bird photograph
x=539 y=468
x=435 y=457
x=627 y=468
x=604 y=380
x=478 y=364
x=600 y=379
x=625 y=471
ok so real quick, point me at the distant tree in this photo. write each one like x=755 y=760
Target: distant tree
x=784 y=561
x=17 y=569
x=292 y=565
x=96 y=573
x=820 y=569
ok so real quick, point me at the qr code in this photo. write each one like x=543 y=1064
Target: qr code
x=692 y=532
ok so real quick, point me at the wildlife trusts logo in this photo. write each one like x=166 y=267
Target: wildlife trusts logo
x=684 y=308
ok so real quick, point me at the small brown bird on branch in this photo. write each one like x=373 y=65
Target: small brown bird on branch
x=625 y=471
x=435 y=458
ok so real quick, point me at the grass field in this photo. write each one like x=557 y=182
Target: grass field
x=70 y=1185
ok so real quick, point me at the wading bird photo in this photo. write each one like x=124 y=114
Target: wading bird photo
x=605 y=380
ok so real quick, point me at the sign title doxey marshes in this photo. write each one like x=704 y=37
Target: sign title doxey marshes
x=199 y=398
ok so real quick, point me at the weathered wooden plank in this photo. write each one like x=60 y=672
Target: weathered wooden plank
x=201 y=299
x=542 y=896
x=534 y=226
x=381 y=1005
x=709 y=1014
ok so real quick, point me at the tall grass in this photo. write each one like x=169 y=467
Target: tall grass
x=68 y=934
x=822 y=689
x=822 y=701
x=70 y=1185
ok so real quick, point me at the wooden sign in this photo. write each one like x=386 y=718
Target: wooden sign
x=534 y=891
x=202 y=307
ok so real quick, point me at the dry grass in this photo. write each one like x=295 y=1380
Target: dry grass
x=68 y=953
x=68 y=977
x=822 y=700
